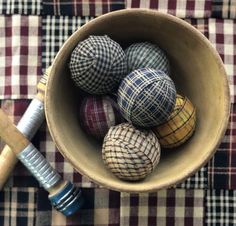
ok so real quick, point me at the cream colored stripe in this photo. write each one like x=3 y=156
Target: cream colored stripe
x=58 y=219
x=124 y=208
x=143 y=209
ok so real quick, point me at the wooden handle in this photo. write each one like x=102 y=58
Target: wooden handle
x=41 y=86
x=64 y=196
x=8 y=161
x=8 y=158
x=11 y=135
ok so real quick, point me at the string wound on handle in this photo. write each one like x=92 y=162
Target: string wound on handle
x=68 y=199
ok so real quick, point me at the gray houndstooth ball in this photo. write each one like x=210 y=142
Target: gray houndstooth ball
x=146 y=55
x=98 y=64
x=130 y=154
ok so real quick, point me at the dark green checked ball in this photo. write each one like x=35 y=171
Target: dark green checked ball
x=146 y=97
x=146 y=55
x=98 y=64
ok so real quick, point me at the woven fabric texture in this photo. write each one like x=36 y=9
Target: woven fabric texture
x=28 y=7
x=56 y=29
x=180 y=125
x=31 y=207
x=172 y=207
x=20 y=56
x=146 y=97
x=98 y=114
x=197 y=181
x=220 y=207
x=179 y=8
x=224 y=9
x=146 y=55
x=223 y=37
x=222 y=167
x=81 y=8
x=129 y=153
x=206 y=198
x=19 y=206
x=98 y=64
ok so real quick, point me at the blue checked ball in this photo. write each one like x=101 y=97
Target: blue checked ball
x=98 y=114
x=146 y=97
x=98 y=64
x=146 y=55
x=131 y=154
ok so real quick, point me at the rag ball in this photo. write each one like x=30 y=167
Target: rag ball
x=98 y=114
x=98 y=64
x=146 y=55
x=180 y=125
x=131 y=154
x=146 y=97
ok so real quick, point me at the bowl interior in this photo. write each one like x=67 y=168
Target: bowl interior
x=196 y=70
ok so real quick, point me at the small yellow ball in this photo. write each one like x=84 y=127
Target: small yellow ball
x=180 y=125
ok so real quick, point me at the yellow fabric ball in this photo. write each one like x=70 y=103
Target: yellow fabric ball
x=180 y=125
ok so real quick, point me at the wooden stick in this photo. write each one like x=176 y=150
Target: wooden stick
x=11 y=135
x=28 y=125
x=63 y=194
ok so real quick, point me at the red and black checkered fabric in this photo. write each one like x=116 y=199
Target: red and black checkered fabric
x=179 y=8
x=222 y=167
x=163 y=208
x=20 y=58
x=222 y=34
x=224 y=9
x=81 y=7
x=31 y=33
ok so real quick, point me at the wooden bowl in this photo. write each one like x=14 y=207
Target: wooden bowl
x=197 y=71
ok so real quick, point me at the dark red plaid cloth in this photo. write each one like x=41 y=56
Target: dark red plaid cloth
x=222 y=167
x=102 y=208
x=81 y=7
x=20 y=56
x=166 y=207
x=224 y=9
x=30 y=207
x=37 y=34
x=179 y=8
x=222 y=34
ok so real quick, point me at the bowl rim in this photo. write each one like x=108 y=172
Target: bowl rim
x=132 y=187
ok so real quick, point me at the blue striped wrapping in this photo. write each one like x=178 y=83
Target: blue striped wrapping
x=146 y=97
x=98 y=64
x=146 y=55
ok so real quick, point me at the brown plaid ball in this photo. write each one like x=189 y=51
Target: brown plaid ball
x=130 y=154
x=180 y=125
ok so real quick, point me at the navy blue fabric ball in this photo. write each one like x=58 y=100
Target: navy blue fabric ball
x=146 y=97
x=146 y=55
x=98 y=64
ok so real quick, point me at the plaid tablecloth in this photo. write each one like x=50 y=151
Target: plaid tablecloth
x=31 y=33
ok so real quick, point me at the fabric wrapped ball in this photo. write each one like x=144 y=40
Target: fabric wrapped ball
x=146 y=97
x=146 y=55
x=98 y=64
x=129 y=153
x=98 y=114
x=179 y=126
